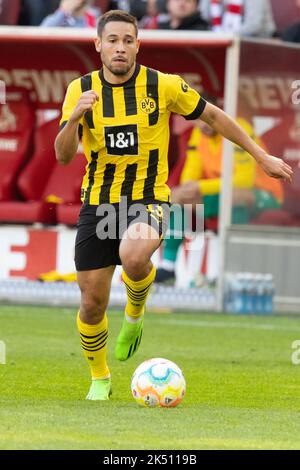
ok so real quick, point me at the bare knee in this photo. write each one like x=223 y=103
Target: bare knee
x=135 y=263
x=92 y=308
x=95 y=287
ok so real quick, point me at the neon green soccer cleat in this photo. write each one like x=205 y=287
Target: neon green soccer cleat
x=100 y=389
x=129 y=339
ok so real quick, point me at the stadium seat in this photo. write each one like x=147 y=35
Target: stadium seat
x=65 y=184
x=51 y=191
x=277 y=217
x=67 y=214
x=32 y=181
x=283 y=140
x=9 y=12
x=289 y=214
x=17 y=119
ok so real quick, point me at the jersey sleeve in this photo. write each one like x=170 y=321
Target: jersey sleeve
x=182 y=99
x=72 y=96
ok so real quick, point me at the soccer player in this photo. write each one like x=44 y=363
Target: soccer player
x=122 y=114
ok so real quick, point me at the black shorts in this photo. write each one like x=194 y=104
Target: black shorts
x=99 y=234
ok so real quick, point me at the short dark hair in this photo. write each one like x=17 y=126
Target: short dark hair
x=115 y=15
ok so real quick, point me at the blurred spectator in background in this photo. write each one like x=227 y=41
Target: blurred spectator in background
x=34 y=11
x=120 y=5
x=149 y=12
x=292 y=33
x=73 y=13
x=141 y=9
x=9 y=12
x=182 y=15
x=244 y=17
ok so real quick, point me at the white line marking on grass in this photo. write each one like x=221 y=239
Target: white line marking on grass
x=217 y=324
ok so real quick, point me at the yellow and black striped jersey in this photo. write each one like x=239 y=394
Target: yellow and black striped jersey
x=126 y=136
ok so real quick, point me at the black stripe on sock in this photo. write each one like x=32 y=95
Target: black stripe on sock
x=136 y=298
x=136 y=292
x=98 y=339
x=93 y=348
x=99 y=346
x=141 y=295
x=92 y=337
x=109 y=174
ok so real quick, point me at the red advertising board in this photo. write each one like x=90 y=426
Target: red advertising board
x=44 y=63
x=28 y=253
x=270 y=99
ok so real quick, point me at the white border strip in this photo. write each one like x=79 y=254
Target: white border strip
x=78 y=33
x=264 y=241
x=227 y=324
x=287 y=300
x=273 y=42
x=232 y=68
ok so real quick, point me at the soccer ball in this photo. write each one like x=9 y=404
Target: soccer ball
x=158 y=382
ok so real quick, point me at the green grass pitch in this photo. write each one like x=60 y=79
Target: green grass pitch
x=243 y=392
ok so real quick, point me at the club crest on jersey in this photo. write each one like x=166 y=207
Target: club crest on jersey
x=148 y=105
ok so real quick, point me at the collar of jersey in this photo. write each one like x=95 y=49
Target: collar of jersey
x=131 y=79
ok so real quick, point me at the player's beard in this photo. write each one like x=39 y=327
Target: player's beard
x=119 y=70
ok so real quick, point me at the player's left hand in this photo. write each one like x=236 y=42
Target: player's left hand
x=276 y=168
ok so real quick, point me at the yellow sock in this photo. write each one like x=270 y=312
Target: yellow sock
x=94 y=346
x=137 y=293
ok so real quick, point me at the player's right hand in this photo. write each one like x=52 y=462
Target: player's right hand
x=84 y=104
